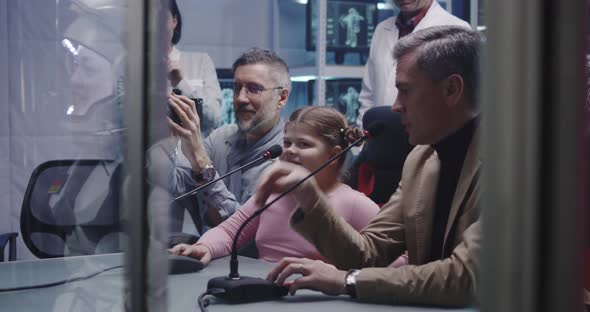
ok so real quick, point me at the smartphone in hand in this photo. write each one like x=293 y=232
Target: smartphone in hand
x=170 y=111
x=172 y=114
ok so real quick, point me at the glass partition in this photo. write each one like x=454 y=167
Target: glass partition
x=63 y=140
x=96 y=184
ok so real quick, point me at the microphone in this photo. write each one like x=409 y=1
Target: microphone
x=238 y=289
x=273 y=152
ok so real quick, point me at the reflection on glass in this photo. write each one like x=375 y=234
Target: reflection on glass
x=91 y=78
x=94 y=64
x=71 y=208
x=66 y=134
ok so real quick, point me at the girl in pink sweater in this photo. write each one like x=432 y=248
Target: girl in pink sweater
x=313 y=134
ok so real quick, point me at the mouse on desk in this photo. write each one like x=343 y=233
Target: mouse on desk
x=182 y=264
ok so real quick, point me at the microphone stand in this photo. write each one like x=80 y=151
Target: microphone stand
x=247 y=289
x=267 y=155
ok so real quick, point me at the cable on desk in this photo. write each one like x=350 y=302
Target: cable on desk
x=65 y=281
x=203 y=303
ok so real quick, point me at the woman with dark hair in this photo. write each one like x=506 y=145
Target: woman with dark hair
x=175 y=14
x=193 y=73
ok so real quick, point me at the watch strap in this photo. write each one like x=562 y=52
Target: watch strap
x=350 y=282
x=206 y=174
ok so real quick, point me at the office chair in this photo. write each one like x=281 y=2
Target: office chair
x=377 y=170
x=71 y=207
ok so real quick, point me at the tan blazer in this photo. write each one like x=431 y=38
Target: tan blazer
x=405 y=223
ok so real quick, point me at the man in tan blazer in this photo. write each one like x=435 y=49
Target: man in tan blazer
x=434 y=212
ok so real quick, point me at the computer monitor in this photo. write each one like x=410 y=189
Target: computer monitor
x=341 y=94
x=349 y=25
x=226 y=82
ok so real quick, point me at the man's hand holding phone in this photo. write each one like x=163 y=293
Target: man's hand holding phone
x=174 y=116
x=188 y=130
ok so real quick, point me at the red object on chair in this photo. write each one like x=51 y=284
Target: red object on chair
x=366 y=179
x=376 y=171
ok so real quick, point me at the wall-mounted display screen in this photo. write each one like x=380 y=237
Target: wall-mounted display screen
x=226 y=82
x=349 y=25
x=227 y=101
x=343 y=95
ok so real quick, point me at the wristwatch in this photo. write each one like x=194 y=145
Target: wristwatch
x=350 y=282
x=207 y=174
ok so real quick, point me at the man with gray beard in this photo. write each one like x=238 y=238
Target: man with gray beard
x=261 y=89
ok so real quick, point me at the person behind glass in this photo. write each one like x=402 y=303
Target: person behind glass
x=96 y=62
x=91 y=126
x=433 y=214
x=261 y=89
x=379 y=78
x=193 y=73
x=313 y=134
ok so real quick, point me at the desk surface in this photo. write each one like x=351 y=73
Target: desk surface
x=106 y=291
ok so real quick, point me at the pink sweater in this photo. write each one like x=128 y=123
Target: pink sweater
x=274 y=237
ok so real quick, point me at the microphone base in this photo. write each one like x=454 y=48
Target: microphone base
x=246 y=289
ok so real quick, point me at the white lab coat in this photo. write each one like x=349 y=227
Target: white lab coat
x=200 y=81
x=379 y=78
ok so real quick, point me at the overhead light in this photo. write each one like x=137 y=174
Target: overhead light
x=303 y=78
x=380 y=5
x=312 y=77
x=70 y=110
x=68 y=45
x=384 y=6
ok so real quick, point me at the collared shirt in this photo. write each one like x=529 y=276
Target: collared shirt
x=227 y=149
x=406 y=27
x=451 y=152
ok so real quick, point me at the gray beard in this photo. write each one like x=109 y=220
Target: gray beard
x=246 y=126
x=255 y=125
x=251 y=126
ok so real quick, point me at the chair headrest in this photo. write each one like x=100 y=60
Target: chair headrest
x=392 y=143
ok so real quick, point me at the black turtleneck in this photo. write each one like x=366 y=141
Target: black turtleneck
x=451 y=152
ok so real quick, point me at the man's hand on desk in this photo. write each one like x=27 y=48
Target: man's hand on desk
x=199 y=252
x=317 y=275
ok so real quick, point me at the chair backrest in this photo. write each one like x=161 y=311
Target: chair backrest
x=377 y=170
x=71 y=207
